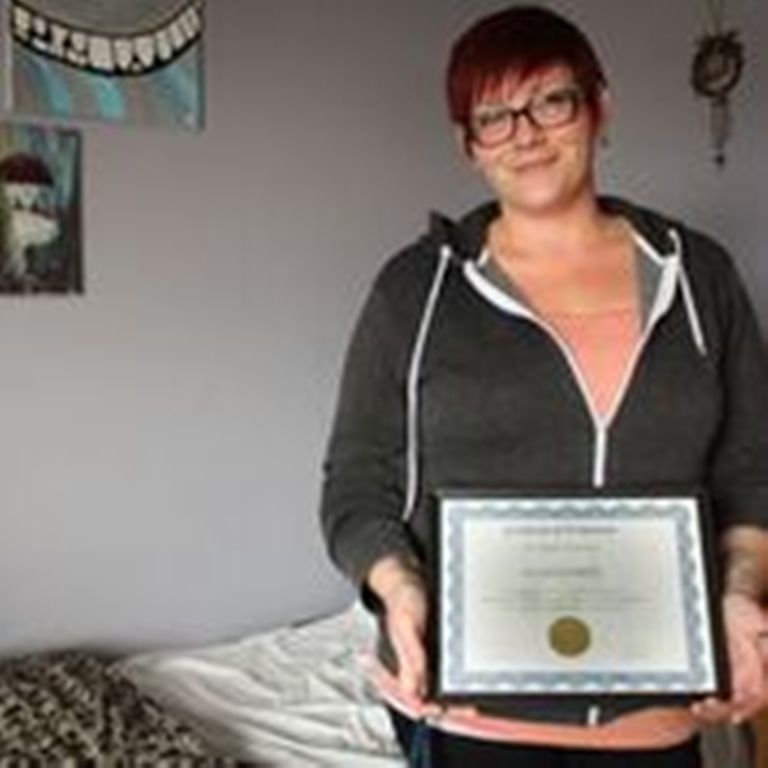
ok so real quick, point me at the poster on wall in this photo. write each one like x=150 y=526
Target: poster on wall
x=122 y=61
x=40 y=216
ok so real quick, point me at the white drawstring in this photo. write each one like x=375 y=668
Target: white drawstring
x=412 y=386
x=690 y=305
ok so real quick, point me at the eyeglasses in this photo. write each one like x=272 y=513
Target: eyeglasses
x=494 y=124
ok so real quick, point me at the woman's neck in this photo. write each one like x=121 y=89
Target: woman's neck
x=566 y=233
x=578 y=262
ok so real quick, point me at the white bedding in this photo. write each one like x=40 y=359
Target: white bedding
x=295 y=697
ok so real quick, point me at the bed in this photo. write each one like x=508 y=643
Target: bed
x=296 y=696
x=293 y=697
x=73 y=708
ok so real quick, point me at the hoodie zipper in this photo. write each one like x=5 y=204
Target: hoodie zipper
x=601 y=425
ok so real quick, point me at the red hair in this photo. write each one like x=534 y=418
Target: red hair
x=520 y=40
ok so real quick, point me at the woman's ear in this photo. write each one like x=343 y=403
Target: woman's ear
x=463 y=142
x=604 y=116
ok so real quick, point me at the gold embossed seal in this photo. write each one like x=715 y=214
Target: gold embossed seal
x=569 y=636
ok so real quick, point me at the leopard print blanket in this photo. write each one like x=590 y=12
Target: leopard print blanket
x=73 y=709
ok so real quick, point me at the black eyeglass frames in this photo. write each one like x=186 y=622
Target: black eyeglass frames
x=495 y=124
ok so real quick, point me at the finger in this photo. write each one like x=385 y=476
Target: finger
x=712 y=710
x=751 y=704
x=712 y=717
x=464 y=710
x=411 y=658
x=410 y=673
x=748 y=676
x=432 y=710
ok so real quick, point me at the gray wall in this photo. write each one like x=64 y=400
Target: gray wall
x=163 y=434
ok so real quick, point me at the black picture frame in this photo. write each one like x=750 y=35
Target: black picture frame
x=491 y=700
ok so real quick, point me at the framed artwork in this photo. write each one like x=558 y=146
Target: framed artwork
x=40 y=211
x=122 y=61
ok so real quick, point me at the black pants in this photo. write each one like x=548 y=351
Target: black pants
x=449 y=751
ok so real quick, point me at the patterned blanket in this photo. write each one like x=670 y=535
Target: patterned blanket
x=73 y=708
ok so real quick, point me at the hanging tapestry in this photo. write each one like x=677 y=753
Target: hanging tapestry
x=132 y=61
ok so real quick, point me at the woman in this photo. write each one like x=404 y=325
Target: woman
x=549 y=339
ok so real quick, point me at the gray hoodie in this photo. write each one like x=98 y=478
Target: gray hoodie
x=451 y=381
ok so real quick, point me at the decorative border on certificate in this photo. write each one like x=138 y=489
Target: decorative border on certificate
x=573 y=595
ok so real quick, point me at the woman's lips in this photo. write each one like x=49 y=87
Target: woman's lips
x=532 y=165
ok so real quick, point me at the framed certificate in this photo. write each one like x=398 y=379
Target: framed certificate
x=575 y=595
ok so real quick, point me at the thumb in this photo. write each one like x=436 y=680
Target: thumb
x=411 y=658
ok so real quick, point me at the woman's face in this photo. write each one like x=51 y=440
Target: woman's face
x=538 y=169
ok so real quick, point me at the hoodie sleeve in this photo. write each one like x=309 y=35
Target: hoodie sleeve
x=364 y=471
x=739 y=468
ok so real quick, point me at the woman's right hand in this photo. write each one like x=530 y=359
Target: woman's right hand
x=402 y=592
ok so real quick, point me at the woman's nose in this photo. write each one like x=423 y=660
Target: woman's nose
x=527 y=132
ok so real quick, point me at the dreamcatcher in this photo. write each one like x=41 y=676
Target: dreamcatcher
x=717 y=68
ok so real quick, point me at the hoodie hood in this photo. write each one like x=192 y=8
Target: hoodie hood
x=659 y=237
x=466 y=236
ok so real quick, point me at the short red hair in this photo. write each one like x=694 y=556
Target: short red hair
x=520 y=41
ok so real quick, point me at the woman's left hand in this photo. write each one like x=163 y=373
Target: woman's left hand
x=746 y=625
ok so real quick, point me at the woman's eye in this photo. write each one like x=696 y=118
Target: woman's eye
x=556 y=99
x=490 y=118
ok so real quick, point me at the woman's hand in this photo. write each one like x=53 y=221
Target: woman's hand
x=402 y=591
x=745 y=628
x=406 y=619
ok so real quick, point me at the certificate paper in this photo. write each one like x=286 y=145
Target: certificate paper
x=573 y=595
